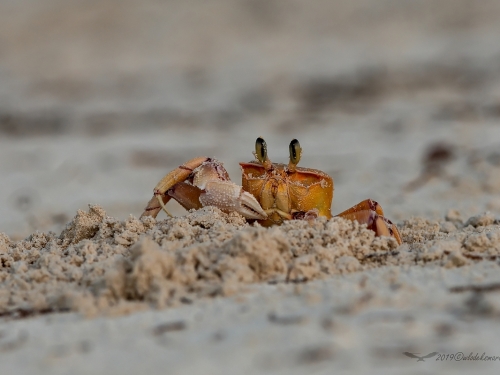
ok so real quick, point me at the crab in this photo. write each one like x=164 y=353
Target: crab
x=270 y=192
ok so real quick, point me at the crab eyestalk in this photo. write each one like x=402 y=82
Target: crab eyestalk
x=295 y=154
x=261 y=153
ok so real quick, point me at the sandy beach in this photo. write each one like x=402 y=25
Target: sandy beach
x=398 y=102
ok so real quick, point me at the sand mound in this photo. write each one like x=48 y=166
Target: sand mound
x=99 y=264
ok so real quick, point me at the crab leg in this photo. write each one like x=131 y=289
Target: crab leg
x=367 y=204
x=186 y=194
x=153 y=207
x=369 y=212
x=179 y=174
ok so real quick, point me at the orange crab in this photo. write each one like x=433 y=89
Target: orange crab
x=271 y=192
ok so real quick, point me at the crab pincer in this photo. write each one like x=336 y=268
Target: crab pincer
x=200 y=182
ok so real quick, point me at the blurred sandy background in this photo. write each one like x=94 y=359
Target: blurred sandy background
x=100 y=99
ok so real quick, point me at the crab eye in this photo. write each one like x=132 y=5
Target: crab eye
x=295 y=151
x=261 y=149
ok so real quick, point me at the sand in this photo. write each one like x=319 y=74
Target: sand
x=209 y=285
x=99 y=265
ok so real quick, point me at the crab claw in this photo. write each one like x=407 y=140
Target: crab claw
x=249 y=207
x=369 y=212
x=228 y=196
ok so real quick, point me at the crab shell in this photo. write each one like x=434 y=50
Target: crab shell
x=285 y=194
